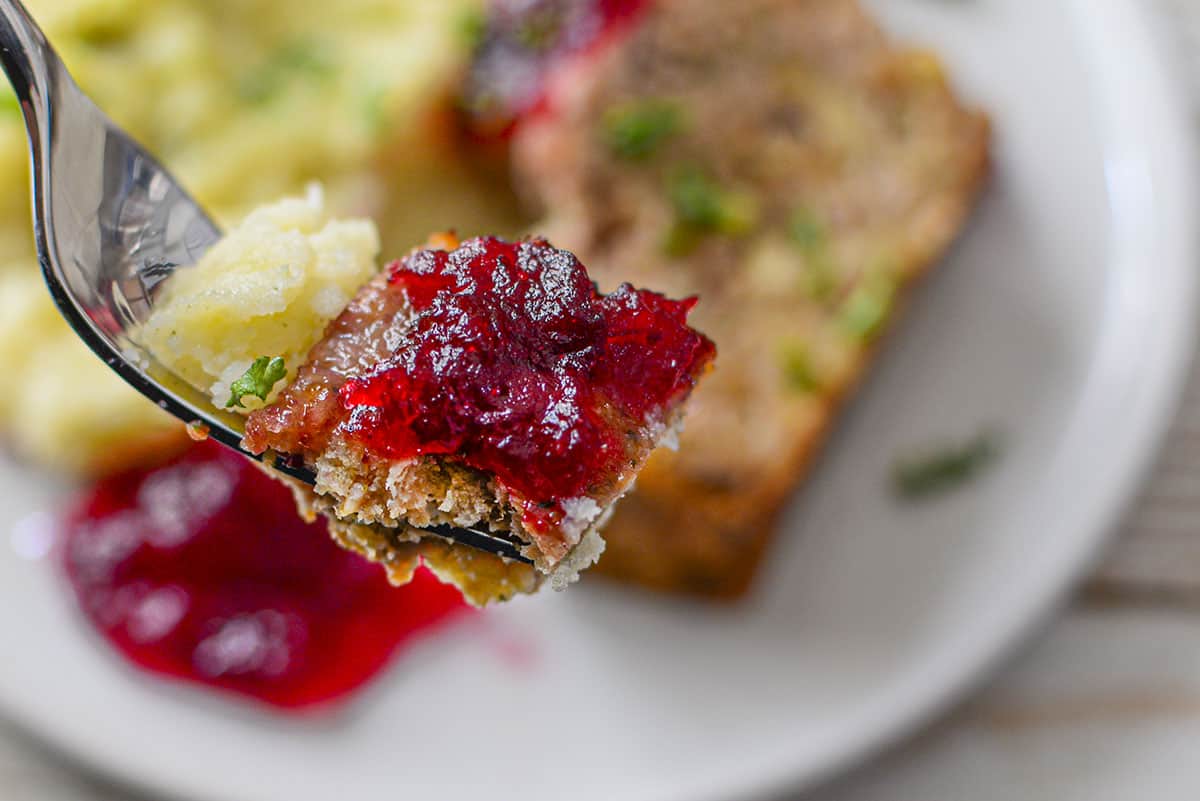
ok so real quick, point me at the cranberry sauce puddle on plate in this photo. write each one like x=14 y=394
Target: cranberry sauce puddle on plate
x=201 y=570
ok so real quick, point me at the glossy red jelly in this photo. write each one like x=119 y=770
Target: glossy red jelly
x=201 y=570
x=518 y=367
x=521 y=43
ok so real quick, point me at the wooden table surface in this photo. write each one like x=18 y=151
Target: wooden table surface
x=1103 y=704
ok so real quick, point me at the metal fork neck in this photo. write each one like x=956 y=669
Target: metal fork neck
x=26 y=57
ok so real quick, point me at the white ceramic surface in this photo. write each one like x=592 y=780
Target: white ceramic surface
x=1064 y=319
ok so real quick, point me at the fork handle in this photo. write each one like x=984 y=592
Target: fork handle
x=26 y=57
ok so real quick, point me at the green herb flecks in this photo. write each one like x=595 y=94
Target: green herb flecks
x=809 y=234
x=701 y=203
x=257 y=381
x=799 y=371
x=297 y=61
x=540 y=30
x=819 y=280
x=944 y=470
x=864 y=312
x=472 y=27
x=807 y=230
x=635 y=131
x=101 y=31
x=376 y=113
x=703 y=207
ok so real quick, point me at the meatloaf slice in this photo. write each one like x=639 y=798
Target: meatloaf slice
x=785 y=161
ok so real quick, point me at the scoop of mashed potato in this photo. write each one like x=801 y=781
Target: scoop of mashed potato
x=268 y=288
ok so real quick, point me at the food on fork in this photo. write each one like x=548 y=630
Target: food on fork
x=484 y=383
x=786 y=162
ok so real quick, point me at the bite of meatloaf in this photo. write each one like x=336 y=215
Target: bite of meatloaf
x=484 y=384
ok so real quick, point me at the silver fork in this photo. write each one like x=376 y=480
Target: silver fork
x=111 y=225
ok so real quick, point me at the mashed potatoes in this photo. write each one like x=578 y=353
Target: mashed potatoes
x=249 y=100
x=61 y=405
x=268 y=288
x=245 y=101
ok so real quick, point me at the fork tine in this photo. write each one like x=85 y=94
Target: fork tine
x=485 y=540
x=490 y=541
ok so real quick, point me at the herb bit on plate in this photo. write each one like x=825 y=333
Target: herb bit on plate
x=949 y=468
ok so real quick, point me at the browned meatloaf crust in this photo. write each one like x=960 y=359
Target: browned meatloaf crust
x=806 y=173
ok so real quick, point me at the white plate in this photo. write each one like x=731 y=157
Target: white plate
x=1065 y=319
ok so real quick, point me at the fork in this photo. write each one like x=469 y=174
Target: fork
x=110 y=226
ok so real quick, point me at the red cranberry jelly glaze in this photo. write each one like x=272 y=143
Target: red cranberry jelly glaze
x=516 y=365
x=202 y=571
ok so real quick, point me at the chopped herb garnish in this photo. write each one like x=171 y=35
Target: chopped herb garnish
x=703 y=207
x=540 y=29
x=806 y=230
x=681 y=240
x=938 y=472
x=865 y=311
x=798 y=369
x=375 y=110
x=102 y=31
x=257 y=381
x=819 y=280
x=701 y=203
x=257 y=87
x=808 y=233
x=472 y=27
x=299 y=59
x=635 y=131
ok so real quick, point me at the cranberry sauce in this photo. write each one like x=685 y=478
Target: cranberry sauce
x=201 y=570
x=520 y=43
x=517 y=366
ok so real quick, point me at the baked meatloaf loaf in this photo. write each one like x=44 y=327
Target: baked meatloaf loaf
x=786 y=162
